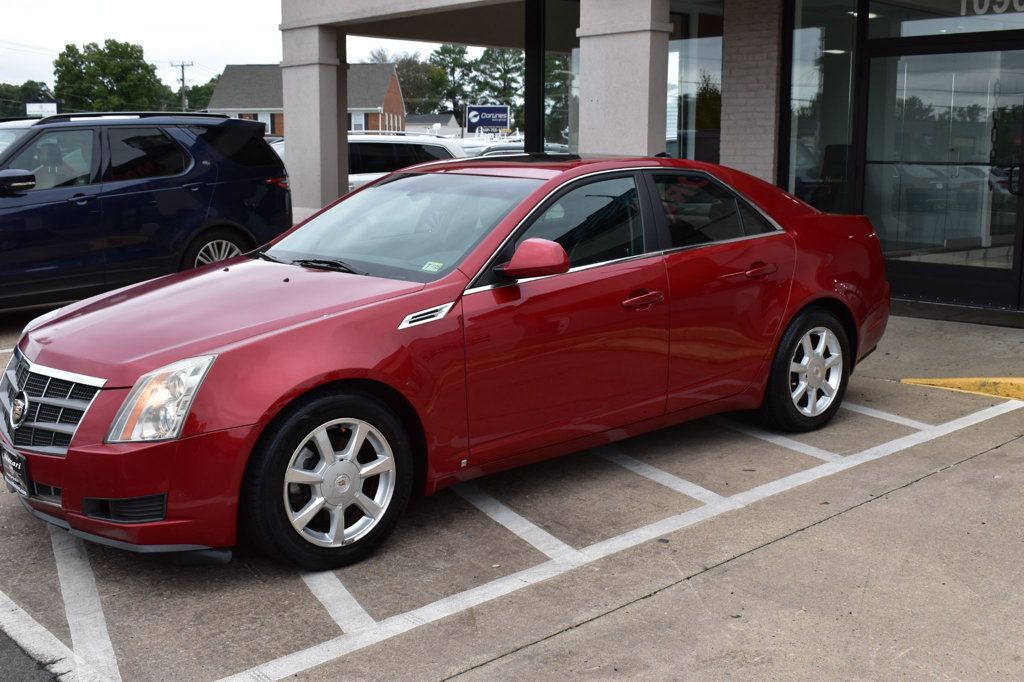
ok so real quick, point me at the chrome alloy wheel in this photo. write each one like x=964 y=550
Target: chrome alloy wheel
x=339 y=483
x=216 y=250
x=816 y=371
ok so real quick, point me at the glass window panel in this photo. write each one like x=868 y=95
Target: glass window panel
x=137 y=153
x=904 y=18
x=58 y=159
x=695 y=80
x=597 y=222
x=697 y=210
x=561 y=76
x=944 y=131
x=821 y=104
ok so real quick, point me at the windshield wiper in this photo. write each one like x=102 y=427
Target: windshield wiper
x=266 y=256
x=328 y=264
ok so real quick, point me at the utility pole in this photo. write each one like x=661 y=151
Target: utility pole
x=184 y=99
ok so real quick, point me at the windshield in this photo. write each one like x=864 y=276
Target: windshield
x=8 y=136
x=414 y=227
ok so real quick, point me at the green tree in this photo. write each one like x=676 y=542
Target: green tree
x=114 y=77
x=422 y=83
x=454 y=62
x=498 y=79
x=709 y=102
x=199 y=95
x=558 y=79
x=13 y=97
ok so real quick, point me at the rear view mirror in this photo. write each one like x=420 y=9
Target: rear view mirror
x=536 y=258
x=15 y=180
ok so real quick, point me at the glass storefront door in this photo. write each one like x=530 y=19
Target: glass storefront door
x=944 y=133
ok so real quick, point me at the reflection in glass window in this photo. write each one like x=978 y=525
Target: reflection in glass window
x=695 y=80
x=699 y=211
x=821 y=104
x=137 y=153
x=594 y=223
x=905 y=18
x=561 y=75
x=58 y=159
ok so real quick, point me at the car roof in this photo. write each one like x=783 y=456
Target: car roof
x=134 y=118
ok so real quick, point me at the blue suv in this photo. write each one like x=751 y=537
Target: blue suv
x=91 y=202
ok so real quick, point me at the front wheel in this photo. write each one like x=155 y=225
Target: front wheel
x=809 y=373
x=326 y=485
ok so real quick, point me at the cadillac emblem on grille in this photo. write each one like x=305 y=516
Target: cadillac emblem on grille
x=19 y=410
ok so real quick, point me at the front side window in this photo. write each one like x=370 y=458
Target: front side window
x=62 y=158
x=699 y=211
x=8 y=136
x=595 y=223
x=371 y=157
x=137 y=153
x=413 y=227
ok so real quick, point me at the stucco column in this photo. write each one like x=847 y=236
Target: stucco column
x=623 y=76
x=315 y=81
x=751 y=60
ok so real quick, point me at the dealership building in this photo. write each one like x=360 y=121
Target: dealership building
x=908 y=111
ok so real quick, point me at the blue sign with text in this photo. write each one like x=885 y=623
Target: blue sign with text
x=487 y=117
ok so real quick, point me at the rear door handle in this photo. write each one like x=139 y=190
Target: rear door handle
x=759 y=270
x=644 y=301
x=192 y=186
x=81 y=199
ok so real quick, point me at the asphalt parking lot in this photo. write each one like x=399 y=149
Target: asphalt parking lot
x=887 y=544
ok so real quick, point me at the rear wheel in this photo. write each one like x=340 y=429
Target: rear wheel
x=326 y=485
x=809 y=373
x=213 y=247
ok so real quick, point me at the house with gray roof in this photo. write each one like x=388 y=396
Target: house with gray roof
x=439 y=124
x=254 y=92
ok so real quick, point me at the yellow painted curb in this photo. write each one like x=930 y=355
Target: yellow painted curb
x=1001 y=387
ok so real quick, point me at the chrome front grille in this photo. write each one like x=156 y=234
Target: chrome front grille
x=57 y=402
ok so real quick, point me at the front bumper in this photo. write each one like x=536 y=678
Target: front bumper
x=200 y=477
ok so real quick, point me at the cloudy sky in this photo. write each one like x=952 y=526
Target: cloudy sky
x=206 y=32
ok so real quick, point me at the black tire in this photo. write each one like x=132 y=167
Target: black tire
x=220 y=236
x=780 y=410
x=263 y=516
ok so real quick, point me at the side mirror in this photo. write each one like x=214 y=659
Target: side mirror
x=536 y=258
x=1015 y=187
x=14 y=180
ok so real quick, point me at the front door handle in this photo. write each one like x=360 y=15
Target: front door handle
x=644 y=301
x=81 y=199
x=759 y=270
x=192 y=186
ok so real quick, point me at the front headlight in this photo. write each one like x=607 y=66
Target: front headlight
x=159 y=402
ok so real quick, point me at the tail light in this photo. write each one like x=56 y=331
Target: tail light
x=281 y=182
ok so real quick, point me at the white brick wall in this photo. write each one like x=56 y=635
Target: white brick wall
x=750 y=85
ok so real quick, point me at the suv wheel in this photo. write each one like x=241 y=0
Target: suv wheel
x=213 y=247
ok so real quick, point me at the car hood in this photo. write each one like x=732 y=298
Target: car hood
x=123 y=334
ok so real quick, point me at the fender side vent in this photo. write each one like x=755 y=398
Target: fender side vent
x=428 y=315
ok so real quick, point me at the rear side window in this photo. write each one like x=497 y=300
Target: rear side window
x=137 y=153
x=241 y=144
x=405 y=155
x=371 y=157
x=431 y=152
x=700 y=211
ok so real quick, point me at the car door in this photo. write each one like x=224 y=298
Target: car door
x=730 y=271
x=155 y=197
x=556 y=358
x=51 y=237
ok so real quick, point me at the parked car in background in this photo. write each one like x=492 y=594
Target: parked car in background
x=450 y=321
x=373 y=155
x=510 y=148
x=91 y=202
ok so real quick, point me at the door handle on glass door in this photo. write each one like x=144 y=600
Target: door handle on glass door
x=643 y=301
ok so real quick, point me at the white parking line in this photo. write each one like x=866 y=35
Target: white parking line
x=520 y=526
x=781 y=441
x=339 y=602
x=89 y=636
x=325 y=652
x=680 y=485
x=6 y=351
x=878 y=414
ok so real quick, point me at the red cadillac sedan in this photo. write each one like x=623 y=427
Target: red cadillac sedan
x=452 y=320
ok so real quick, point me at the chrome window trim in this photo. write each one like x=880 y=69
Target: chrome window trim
x=528 y=216
x=693 y=247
